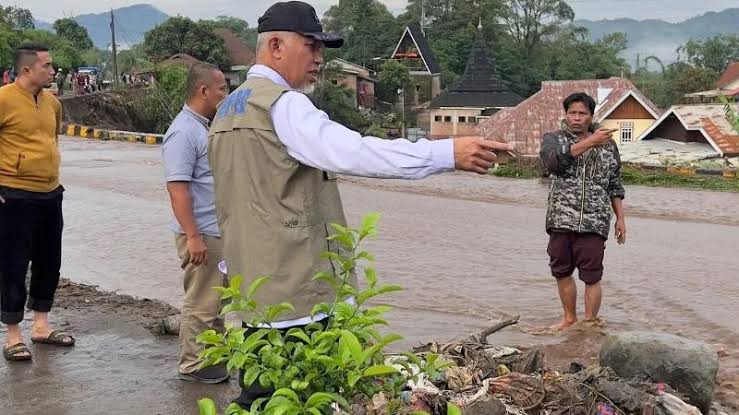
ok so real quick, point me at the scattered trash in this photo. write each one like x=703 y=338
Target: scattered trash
x=496 y=380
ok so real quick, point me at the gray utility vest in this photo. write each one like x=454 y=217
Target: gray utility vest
x=273 y=212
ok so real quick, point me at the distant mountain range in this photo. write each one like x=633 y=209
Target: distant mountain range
x=660 y=38
x=130 y=23
x=646 y=37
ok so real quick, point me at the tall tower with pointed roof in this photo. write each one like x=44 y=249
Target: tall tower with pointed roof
x=479 y=94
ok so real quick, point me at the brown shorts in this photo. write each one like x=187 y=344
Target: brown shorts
x=570 y=250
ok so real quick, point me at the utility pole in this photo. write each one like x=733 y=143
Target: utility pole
x=423 y=19
x=115 y=49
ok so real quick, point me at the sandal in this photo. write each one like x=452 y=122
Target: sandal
x=16 y=353
x=56 y=338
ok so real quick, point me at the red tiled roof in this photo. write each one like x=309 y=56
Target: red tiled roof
x=730 y=75
x=525 y=124
x=239 y=53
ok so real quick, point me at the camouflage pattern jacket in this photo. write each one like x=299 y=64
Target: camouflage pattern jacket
x=582 y=187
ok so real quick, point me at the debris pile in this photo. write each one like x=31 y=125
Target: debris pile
x=494 y=380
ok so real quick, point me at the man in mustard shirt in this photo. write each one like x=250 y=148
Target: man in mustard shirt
x=30 y=201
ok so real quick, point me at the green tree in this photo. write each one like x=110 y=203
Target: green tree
x=530 y=22
x=71 y=31
x=715 y=53
x=337 y=101
x=65 y=55
x=8 y=41
x=16 y=18
x=157 y=109
x=393 y=76
x=368 y=28
x=182 y=35
x=133 y=60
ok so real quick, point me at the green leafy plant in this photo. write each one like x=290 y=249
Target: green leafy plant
x=323 y=364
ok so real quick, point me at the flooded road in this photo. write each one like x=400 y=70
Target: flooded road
x=467 y=249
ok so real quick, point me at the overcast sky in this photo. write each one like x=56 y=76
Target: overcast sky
x=671 y=10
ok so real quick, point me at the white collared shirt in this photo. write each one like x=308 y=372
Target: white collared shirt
x=313 y=139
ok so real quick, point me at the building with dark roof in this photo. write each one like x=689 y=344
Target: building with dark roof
x=240 y=56
x=413 y=50
x=474 y=98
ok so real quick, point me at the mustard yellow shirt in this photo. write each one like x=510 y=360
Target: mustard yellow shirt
x=29 y=151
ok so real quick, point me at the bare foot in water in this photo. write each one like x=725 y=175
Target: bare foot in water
x=563 y=325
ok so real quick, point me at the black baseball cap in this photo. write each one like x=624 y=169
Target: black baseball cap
x=298 y=17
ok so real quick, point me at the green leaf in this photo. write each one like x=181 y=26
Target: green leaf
x=235 y=409
x=251 y=374
x=353 y=378
x=379 y=370
x=299 y=385
x=287 y=393
x=379 y=310
x=352 y=343
x=322 y=399
x=275 y=337
x=333 y=256
x=327 y=278
x=371 y=275
x=235 y=283
x=254 y=286
x=313 y=411
x=299 y=334
x=452 y=409
x=275 y=310
x=369 y=224
x=389 y=289
x=391 y=338
x=207 y=407
x=209 y=337
x=237 y=361
x=320 y=308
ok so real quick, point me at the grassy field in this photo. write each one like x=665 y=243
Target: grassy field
x=634 y=176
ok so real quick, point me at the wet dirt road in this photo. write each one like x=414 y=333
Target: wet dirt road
x=468 y=250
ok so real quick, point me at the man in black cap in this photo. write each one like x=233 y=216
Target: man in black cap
x=275 y=157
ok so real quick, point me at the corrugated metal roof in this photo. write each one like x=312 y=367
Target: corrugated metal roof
x=711 y=120
x=524 y=125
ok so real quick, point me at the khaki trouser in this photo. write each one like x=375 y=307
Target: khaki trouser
x=202 y=303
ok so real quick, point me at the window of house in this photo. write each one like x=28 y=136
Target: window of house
x=437 y=118
x=627 y=132
x=462 y=119
x=447 y=118
x=472 y=120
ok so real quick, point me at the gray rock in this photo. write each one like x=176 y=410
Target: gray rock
x=688 y=366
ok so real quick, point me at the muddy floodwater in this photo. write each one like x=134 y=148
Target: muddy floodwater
x=467 y=249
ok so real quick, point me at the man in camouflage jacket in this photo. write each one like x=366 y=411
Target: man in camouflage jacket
x=584 y=163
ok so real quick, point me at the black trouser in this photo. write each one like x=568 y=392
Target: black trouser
x=30 y=230
x=255 y=391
